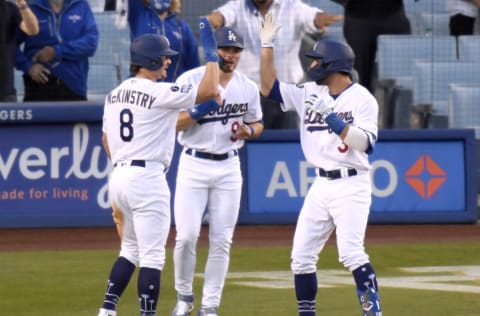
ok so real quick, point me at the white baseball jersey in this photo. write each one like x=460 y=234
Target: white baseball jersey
x=321 y=146
x=297 y=19
x=140 y=118
x=215 y=132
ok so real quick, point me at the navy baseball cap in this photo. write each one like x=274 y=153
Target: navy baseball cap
x=228 y=37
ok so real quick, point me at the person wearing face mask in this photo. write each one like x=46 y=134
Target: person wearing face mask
x=55 y=61
x=161 y=17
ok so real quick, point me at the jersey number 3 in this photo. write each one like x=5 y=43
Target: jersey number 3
x=343 y=148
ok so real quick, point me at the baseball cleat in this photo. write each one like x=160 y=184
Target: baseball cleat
x=207 y=311
x=106 y=312
x=370 y=303
x=184 y=305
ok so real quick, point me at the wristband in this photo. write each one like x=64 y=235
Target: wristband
x=252 y=131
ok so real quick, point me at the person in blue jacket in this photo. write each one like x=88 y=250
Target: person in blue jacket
x=161 y=17
x=55 y=61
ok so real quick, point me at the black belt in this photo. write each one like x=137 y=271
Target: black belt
x=133 y=163
x=335 y=174
x=204 y=155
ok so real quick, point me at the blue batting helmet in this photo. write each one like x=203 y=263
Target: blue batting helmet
x=228 y=37
x=146 y=51
x=333 y=56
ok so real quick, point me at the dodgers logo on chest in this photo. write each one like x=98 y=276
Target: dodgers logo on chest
x=225 y=112
x=314 y=122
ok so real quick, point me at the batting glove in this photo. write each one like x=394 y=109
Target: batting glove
x=322 y=106
x=268 y=30
x=208 y=40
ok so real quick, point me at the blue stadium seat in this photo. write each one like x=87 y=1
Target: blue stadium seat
x=101 y=80
x=413 y=6
x=328 y=6
x=435 y=24
x=432 y=80
x=469 y=48
x=395 y=57
x=396 y=54
x=464 y=107
x=112 y=40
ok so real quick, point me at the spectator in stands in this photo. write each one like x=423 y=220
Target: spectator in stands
x=297 y=19
x=463 y=14
x=162 y=17
x=13 y=16
x=55 y=62
x=364 y=21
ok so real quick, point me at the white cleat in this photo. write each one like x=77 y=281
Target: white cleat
x=184 y=305
x=106 y=312
x=207 y=311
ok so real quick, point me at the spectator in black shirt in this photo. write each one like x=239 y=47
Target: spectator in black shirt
x=364 y=21
x=14 y=16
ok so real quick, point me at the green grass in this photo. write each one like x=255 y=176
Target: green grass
x=54 y=283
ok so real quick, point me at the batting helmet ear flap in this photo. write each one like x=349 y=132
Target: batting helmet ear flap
x=333 y=56
x=146 y=51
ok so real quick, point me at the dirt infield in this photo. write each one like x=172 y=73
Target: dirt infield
x=245 y=235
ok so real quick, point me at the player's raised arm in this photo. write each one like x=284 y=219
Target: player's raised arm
x=208 y=87
x=268 y=74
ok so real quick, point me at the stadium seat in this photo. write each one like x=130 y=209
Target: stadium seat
x=101 y=80
x=396 y=54
x=412 y=6
x=469 y=48
x=328 y=6
x=434 y=24
x=112 y=41
x=395 y=57
x=431 y=82
x=464 y=107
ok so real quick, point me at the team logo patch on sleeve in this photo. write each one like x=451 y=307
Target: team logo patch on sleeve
x=186 y=88
x=174 y=88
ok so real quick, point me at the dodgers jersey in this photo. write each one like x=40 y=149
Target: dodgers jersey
x=321 y=146
x=140 y=119
x=215 y=132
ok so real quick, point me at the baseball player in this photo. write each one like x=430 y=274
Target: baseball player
x=138 y=136
x=209 y=175
x=338 y=130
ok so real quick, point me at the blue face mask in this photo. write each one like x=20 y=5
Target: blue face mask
x=160 y=6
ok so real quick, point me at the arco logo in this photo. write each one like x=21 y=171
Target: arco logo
x=425 y=176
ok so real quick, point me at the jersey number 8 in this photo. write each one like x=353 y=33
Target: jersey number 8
x=126 y=128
